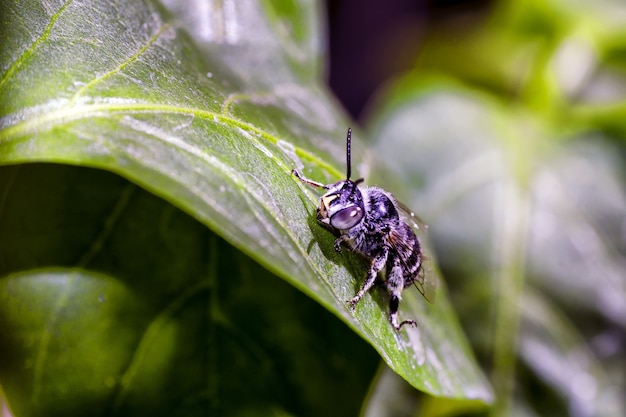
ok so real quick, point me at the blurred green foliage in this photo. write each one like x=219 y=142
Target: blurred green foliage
x=512 y=130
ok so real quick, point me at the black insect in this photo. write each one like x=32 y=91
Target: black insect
x=367 y=221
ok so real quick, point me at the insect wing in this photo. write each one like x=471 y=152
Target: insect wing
x=426 y=282
x=410 y=217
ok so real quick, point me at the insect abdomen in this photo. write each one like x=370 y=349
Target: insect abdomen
x=411 y=255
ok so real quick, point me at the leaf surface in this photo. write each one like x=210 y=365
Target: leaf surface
x=205 y=123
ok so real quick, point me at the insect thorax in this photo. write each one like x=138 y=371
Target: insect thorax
x=381 y=217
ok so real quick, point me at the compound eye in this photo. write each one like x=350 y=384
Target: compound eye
x=346 y=218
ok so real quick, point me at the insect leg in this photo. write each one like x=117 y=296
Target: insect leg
x=395 y=285
x=377 y=264
x=341 y=239
x=306 y=180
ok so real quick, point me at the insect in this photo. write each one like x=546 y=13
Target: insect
x=367 y=221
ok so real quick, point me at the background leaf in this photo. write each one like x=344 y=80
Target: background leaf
x=519 y=205
x=121 y=87
x=123 y=304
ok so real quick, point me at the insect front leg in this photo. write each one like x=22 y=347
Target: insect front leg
x=341 y=239
x=378 y=263
x=395 y=285
x=306 y=180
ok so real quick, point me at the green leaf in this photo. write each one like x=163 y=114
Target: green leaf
x=213 y=124
x=124 y=305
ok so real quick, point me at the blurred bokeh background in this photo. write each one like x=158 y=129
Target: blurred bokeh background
x=508 y=117
x=370 y=42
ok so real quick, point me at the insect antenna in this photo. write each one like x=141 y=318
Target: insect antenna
x=356 y=183
x=348 y=139
x=349 y=162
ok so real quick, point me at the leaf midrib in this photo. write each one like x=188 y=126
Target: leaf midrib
x=69 y=113
x=55 y=118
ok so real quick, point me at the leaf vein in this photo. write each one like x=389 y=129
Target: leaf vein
x=147 y=341
x=109 y=223
x=27 y=53
x=69 y=113
x=121 y=66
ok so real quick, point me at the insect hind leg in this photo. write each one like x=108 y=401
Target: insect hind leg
x=395 y=284
x=394 y=302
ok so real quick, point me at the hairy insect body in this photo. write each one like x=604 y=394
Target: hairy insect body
x=391 y=246
x=367 y=222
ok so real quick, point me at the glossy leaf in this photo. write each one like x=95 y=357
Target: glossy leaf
x=125 y=305
x=214 y=125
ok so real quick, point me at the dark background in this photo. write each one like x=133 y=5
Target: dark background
x=371 y=41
